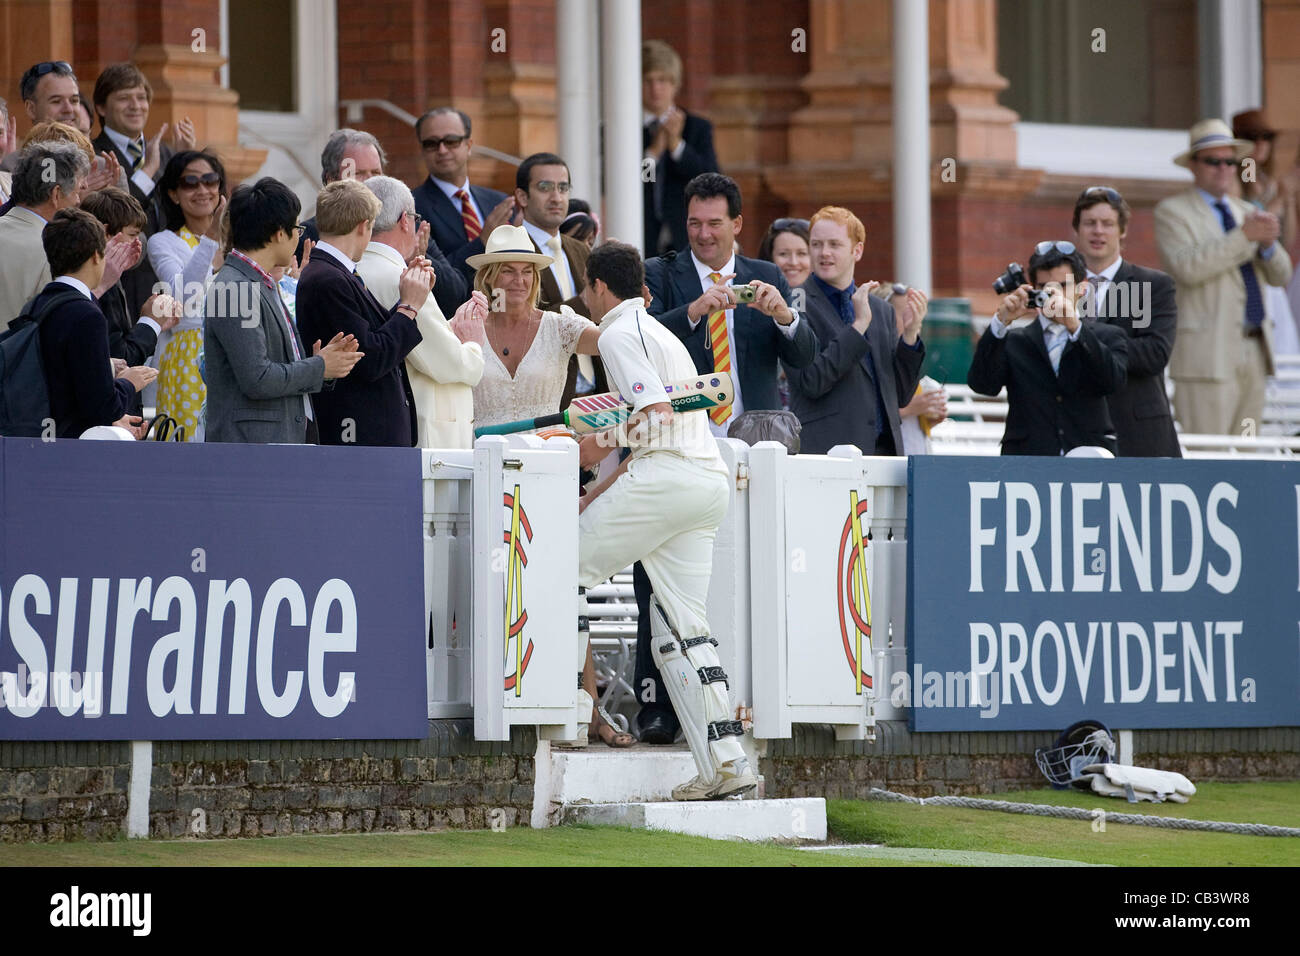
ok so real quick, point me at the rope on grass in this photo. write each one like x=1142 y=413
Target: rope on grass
x=1078 y=813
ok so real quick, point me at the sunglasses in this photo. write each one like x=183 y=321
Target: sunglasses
x=192 y=181
x=1064 y=247
x=1111 y=196
x=1216 y=162
x=61 y=67
x=789 y=223
x=451 y=142
x=545 y=186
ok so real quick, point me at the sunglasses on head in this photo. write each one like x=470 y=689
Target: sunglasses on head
x=193 y=181
x=1215 y=162
x=451 y=142
x=1064 y=247
x=51 y=66
x=1110 y=195
x=789 y=223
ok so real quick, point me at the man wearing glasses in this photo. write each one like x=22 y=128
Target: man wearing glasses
x=461 y=216
x=1222 y=252
x=1141 y=302
x=258 y=373
x=1058 y=369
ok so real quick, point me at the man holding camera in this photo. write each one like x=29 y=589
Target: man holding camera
x=1057 y=369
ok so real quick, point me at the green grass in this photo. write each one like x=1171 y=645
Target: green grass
x=909 y=832
x=950 y=828
x=563 y=846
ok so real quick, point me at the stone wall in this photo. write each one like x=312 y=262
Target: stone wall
x=814 y=764
x=50 y=792
x=66 y=791
x=63 y=791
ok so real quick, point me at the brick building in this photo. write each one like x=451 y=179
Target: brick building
x=1027 y=103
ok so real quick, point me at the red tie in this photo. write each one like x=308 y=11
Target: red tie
x=470 y=218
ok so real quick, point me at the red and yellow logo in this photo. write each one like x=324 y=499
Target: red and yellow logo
x=517 y=533
x=852 y=593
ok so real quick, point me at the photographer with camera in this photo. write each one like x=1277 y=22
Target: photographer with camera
x=1058 y=369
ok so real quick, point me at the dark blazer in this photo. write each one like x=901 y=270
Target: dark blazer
x=375 y=396
x=129 y=340
x=450 y=290
x=1049 y=414
x=255 y=385
x=447 y=228
x=674 y=285
x=1141 y=302
x=78 y=374
x=103 y=144
x=697 y=157
x=835 y=397
x=138 y=282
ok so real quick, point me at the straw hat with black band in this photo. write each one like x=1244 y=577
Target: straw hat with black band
x=509 y=244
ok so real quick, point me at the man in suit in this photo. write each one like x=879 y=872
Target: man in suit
x=542 y=192
x=258 y=374
x=442 y=369
x=692 y=295
x=1141 y=302
x=870 y=361
x=356 y=154
x=1058 y=369
x=461 y=216
x=122 y=98
x=1222 y=251
x=74 y=349
x=374 y=405
x=49 y=177
x=677 y=143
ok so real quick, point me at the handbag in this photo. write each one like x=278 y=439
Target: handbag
x=164 y=428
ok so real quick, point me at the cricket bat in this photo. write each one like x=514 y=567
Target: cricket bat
x=595 y=413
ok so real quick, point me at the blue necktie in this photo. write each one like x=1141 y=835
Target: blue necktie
x=1056 y=345
x=1254 y=301
x=845 y=306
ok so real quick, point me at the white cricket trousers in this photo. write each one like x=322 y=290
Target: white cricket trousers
x=664 y=511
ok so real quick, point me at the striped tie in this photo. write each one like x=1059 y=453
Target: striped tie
x=721 y=345
x=468 y=216
x=136 y=152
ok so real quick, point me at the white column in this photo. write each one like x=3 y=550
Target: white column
x=578 y=117
x=620 y=36
x=138 y=789
x=912 y=144
x=1231 y=58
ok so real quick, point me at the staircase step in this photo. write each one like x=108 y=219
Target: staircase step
x=604 y=775
x=801 y=820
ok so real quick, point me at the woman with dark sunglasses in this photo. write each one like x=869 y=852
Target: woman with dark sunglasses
x=185 y=255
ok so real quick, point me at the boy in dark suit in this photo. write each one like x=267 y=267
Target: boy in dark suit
x=74 y=342
x=373 y=405
x=1058 y=369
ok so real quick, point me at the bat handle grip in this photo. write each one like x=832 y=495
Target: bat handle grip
x=523 y=425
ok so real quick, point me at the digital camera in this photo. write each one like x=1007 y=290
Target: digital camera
x=744 y=293
x=1013 y=279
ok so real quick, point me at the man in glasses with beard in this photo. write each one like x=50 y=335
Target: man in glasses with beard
x=1057 y=369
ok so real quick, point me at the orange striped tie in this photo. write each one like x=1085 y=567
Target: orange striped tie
x=473 y=228
x=721 y=345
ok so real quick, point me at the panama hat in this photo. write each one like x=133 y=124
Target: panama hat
x=1208 y=134
x=509 y=244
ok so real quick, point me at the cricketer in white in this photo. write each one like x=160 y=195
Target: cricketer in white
x=662 y=507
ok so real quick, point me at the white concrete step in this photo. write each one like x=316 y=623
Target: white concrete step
x=801 y=820
x=598 y=774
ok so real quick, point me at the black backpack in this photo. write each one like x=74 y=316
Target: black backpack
x=24 y=397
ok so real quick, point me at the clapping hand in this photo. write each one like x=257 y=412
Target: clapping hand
x=183 y=135
x=862 y=306
x=910 y=313
x=163 y=309
x=340 y=356
x=108 y=173
x=468 y=322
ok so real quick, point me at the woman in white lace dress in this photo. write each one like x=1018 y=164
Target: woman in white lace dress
x=526 y=351
x=526 y=361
